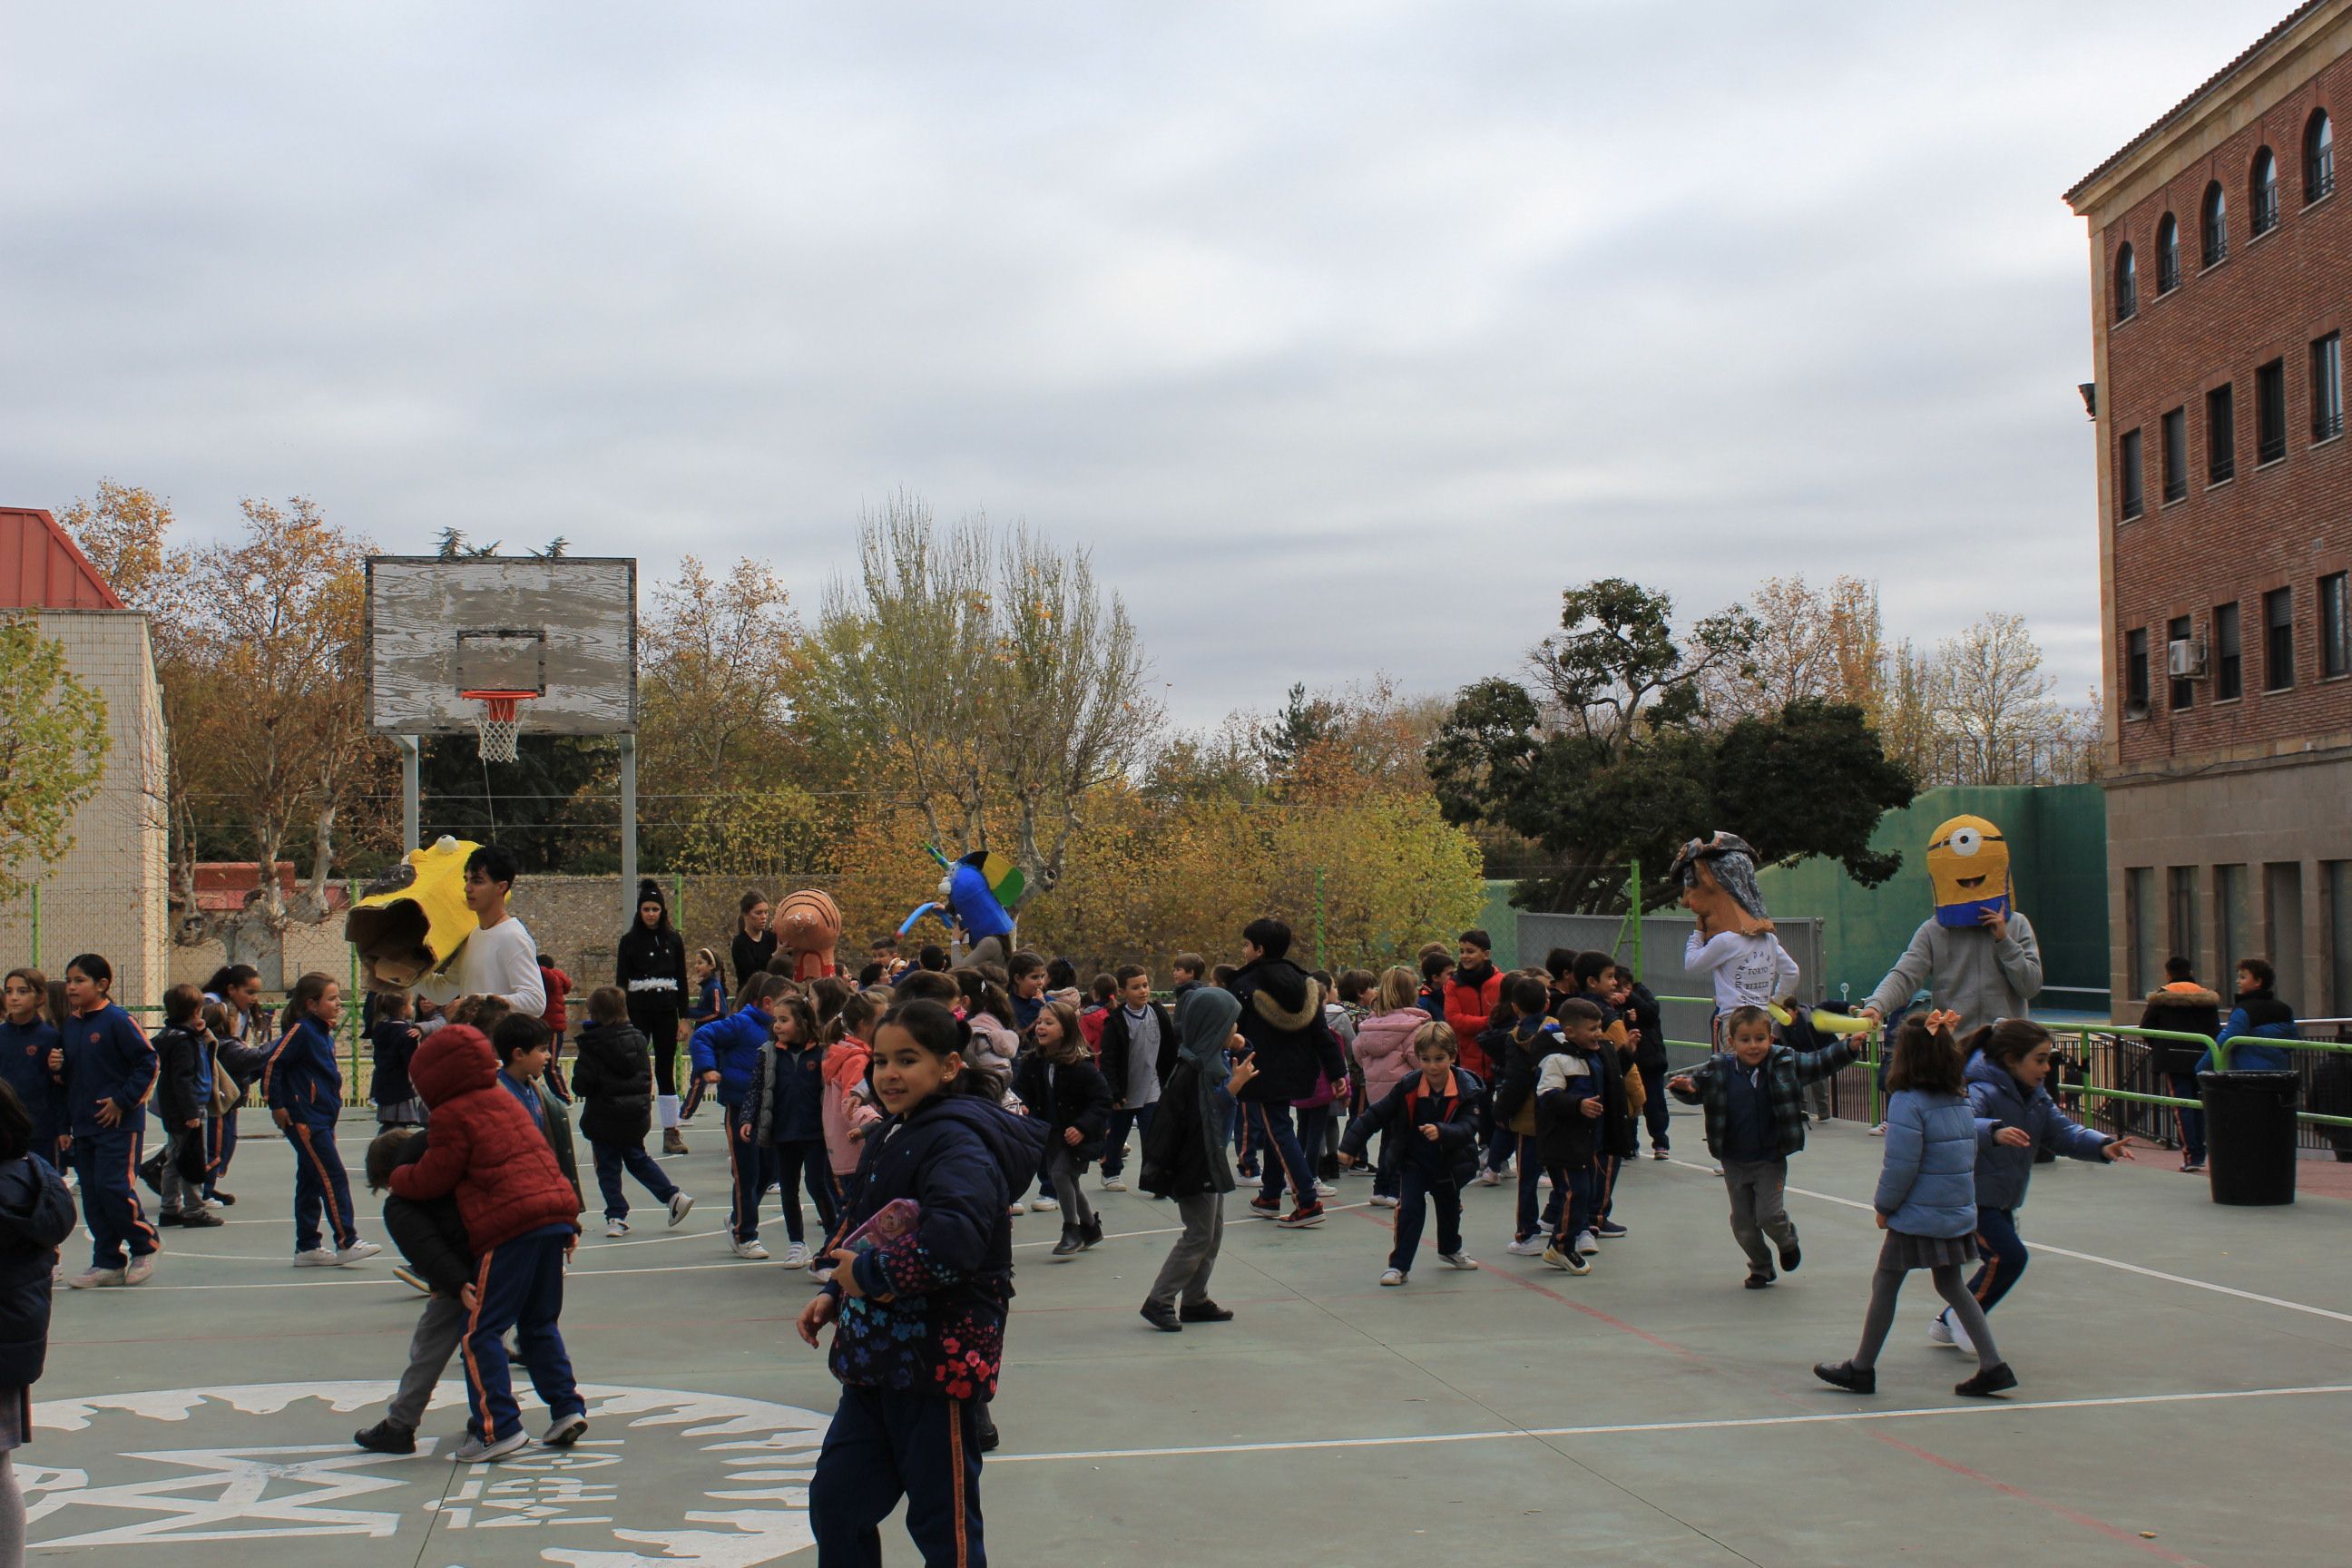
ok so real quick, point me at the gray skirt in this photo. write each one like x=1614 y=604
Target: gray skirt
x=1904 y=1251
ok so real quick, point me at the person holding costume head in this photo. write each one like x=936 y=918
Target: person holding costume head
x=498 y=958
x=1977 y=951
x=1733 y=944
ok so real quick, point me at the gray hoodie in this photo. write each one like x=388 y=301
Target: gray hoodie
x=1967 y=971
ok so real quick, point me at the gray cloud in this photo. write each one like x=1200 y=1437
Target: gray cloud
x=1345 y=334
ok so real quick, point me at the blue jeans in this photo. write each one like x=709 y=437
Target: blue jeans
x=519 y=1284
x=885 y=1444
x=1413 y=1184
x=2192 y=1122
x=1127 y=1119
x=1280 y=1158
x=2005 y=1257
x=1572 y=1207
x=612 y=1159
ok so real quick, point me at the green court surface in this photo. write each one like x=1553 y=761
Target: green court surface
x=2187 y=1396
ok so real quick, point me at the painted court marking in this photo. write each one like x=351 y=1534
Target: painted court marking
x=1989 y=1407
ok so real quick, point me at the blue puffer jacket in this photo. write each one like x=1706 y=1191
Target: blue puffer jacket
x=2258 y=1015
x=1928 y=1186
x=1998 y=1101
x=730 y=1047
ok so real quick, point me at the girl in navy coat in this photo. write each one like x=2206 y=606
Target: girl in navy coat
x=27 y=1039
x=2016 y=1118
x=922 y=1310
x=303 y=1088
x=1057 y=1080
x=1926 y=1202
x=107 y=1066
x=1430 y=1121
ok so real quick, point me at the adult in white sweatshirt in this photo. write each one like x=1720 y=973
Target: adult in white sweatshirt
x=499 y=958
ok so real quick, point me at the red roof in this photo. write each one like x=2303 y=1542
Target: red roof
x=41 y=568
x=226 y=886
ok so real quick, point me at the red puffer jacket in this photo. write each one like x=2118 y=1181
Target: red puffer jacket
x=1468 y=1008
x=482 y=1145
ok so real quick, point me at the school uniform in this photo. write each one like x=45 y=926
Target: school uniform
x=1436 y=1170
x=730 y=1047
x=25 y=1065
x=615 y=1082
x=396 y=1105
x=1567 y=1139
x=183 y=1092
x=108 y=1057
x=303 y=1080
x=786 y=1114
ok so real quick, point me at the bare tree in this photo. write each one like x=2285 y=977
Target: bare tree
x=1992 y=702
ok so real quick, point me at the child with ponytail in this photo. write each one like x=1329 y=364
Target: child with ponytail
x=848 y=1108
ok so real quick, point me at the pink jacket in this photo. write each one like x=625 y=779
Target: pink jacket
x=1384 y=1049
x=844 y=1107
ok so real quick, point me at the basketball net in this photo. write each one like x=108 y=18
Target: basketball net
x=496 y=727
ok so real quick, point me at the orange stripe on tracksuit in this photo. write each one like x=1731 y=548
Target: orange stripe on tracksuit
x=341 y=1229
x=473 y=1324
x=955 y=1419
x=131 y=1185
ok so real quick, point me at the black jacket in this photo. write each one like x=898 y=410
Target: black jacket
x=181 y=1060
x=1408 y=1107
x=1079 y=1098
x=2192 y=1010
x=1515 y=1055
x=1113 y=1053
x=1282 y=1019
x=37 y=1213
x=650 y=965
x=1642 y=1013
x=395 y=1041
x=614 y=1077
x=429 y=1232
x=751 y=955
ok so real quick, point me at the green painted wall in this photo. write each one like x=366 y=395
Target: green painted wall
x=2058 y=856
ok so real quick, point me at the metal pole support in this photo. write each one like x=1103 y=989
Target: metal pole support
x=628 y=832
x=411 y=791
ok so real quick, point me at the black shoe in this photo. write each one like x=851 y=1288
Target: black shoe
x=1791 y=1256
x=1161 y=1318
x=1846 y=1375
x=1759 y=1281
x=199 y=1219
x=383 y=1437
x=167 y=1216
x=227 y=1198
x=990 y=1437
x=1989 y=1381
x=1204 y=1313
x=1092 y=1236
x=1071 y=1243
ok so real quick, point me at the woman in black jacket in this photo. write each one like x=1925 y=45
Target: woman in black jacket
x=650 y=966
x=36 y=1215
x=1057 y=1081
x=754 y=943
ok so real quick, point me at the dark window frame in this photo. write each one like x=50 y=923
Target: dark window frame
x=2167 y=255
x=2229 y=653
x=2213 y=226
x=2172 y=453
x=2318 y=157
x=2127 y=284
x=2326 y=387
x=2136 y=687
x=2278 y=639
x=2270 y=411
x=2335 y=600
x=2262 y=212
x=2182 y=695
x=2130 y=483
x=2221 y=434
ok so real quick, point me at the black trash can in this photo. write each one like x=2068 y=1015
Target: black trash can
x=2250 y=1135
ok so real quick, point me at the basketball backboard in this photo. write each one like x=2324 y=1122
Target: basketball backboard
x=563 y=631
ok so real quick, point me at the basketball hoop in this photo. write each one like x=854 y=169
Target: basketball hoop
x=496 y=725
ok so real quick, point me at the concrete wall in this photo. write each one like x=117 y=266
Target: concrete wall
x=108 y=894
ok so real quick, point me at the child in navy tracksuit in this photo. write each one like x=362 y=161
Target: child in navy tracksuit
x=109 y=1068
x=786 y=1113
x=27 y=1039
x=395 y=1039
x=725 y=1051
x=1432 y=1120
x=303 y=1088
x=922 y=1310
x=184 y=1093
x=1571 y=1100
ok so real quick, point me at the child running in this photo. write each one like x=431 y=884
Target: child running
x=1755 y=1104
x=614 y=1075
x=1927 y=1204
x=1060 y=1084
x=921 y=1305
x=2009 y=1066
x=1429 y=1126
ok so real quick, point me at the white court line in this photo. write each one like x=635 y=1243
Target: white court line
x=1986 y=1407
x=2094 y=1258
x=1175 y=1229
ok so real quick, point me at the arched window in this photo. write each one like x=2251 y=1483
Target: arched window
x=2318 y=156
x=2213 y=220
x=2265 y=183
x=2126 y=285
x=2167 y=254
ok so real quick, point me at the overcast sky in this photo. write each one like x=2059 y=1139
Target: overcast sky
x=1345 y=334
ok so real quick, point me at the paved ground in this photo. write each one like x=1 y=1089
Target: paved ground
x=2188 y=1385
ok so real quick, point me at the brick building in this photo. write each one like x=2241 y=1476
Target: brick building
x=2221 y=285
x=109 y=894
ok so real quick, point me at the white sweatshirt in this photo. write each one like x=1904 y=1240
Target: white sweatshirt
x=496 y=960
x=1748 y=970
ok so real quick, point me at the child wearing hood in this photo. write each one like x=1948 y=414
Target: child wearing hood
x=1184 y=1157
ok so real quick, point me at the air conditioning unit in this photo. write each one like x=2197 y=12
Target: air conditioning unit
x=2184 y=658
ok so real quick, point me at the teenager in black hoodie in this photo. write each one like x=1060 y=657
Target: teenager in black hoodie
x=651 y=967
x=1282 y=1019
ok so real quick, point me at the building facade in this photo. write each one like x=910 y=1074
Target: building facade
x=2220 y=287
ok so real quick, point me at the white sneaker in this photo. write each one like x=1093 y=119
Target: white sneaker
x=752 y=1249
x=1326 y=1190
x=1114 y=1185
x=1391 y=1276
x=90 y=1279
x=1943 y=1330
x=1587 y=1244
x=1879 y=1131
x=680 y=1205
x=1490 y=1178
x=1043 y=1204
x=1382 y=1201
x=1457 y=1260
x=796 y=1256
x=617 y=1228
x=139 y=1270
x=565 y=1430
x=357 y=1252
x=474 y=1451
x=1533 y=1247
x=317 y=1257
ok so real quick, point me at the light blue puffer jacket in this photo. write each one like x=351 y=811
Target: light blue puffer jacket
x=1928 y=1186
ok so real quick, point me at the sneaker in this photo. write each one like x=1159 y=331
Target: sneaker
x=1043 y=1204
x=357 y=1252
x=1302 y=1216
x=1715 y=1170
x=1658 y=1151
x=474 y=1451
x=1587 y=1244
x=1609 y=1230
x=1490 y=1178
x=1113 y=1185
x=1988 y=1381
x=1016 y=1208
x=413 y=1279
x=1164 y=1318
x=672 y=1143
x=796 y=1256
x=1527 y=1246
x=566 y=1430
x=1758 y=1283
x=680 y=1205
x=1247 y=1170
x=139 y=1270
x=227 y=1200
x=1877 y=1131
x=317 y=1257
x=1326 y=1190
x=2192 y=1167
x=1846 y=1375
x=1382 y=1201
x=90 y=1279
x=1946 y=1331
x=1070 y=1246
x=1391 y=1276
x=1571 y=1260
x=167 y=1216
x=1266 y=1209
x=384 y=1438
x=1204 y=1313
x=616 y=1226
x=1792 y=1256
x=752 y=1249
x=1457 y=1260
x=201 y=1219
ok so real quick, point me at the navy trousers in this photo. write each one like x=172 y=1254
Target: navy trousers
x=1283 y=1162
x=1413 y=1184
x=2005 y=1257
x=1573 y=1206
x=518 y=1285
x=885 y=1444
x=220 y=1135
x=105 y=1162
x=750 y=1171
x=807 y=1163
x=1133 y=1118
x=612 y=1159
x=319 y=1185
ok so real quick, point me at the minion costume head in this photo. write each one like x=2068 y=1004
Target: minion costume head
x=1968 y=860
x=411 y=920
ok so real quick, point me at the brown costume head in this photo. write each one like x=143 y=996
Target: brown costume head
x=1718 y=878
x=808 y=926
